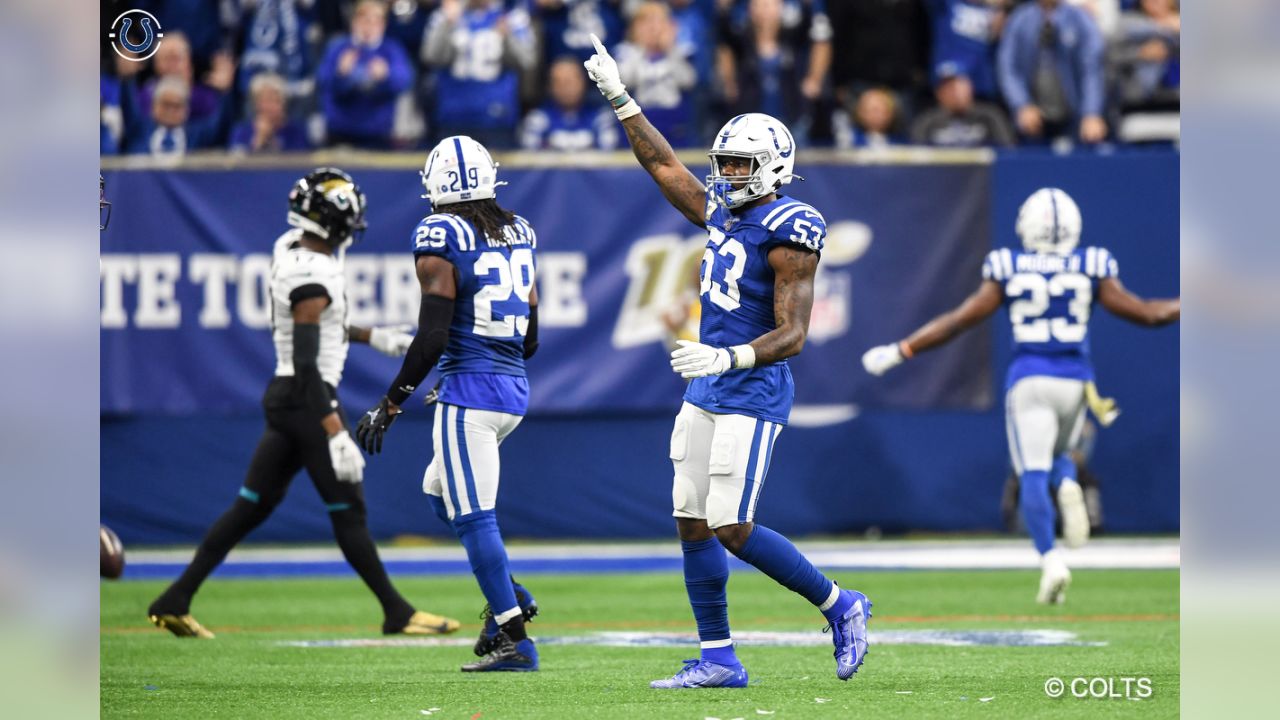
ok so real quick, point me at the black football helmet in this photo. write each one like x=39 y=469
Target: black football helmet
x=327 y=203
x=104 y=207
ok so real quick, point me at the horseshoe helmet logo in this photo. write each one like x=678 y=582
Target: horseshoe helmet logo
x=135 y=35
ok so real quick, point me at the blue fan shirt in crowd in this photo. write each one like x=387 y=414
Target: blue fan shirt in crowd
x=275 y=40
x=1077 y=55
x=476 y=90
x=964 y=42
x=483 y=365
x=567 y=28
x=737 y=301
x=355 y=104
x=290 y=138
x=551 y=127
x=1050 y=298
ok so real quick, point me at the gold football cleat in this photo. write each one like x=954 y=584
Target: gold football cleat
x=425 y=623
x=181 y=625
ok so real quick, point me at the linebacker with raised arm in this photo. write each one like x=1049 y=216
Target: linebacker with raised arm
x=756 y=297
x=305 y=425
x=479 y=320
x=1050 y=287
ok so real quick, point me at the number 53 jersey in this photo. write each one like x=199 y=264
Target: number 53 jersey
x=1050 y=298
x=483 y=364
x=737 y=302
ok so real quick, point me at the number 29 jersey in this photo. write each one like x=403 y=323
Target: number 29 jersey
x=737 y=302
x=1050 y=298
x=483 y=364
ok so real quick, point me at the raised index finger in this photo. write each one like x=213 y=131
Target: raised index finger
x=599 y=47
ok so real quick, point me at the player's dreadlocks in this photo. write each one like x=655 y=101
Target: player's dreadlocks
x=486 y=215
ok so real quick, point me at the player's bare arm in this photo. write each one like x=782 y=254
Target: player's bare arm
x=1123 y=304
x=307 y=313
x=979 y=306
x=677 y=183
x=793 y=269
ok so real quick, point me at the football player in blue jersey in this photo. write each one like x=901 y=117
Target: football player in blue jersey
x=1050 y=287
x=756 y=295
x=479 y=320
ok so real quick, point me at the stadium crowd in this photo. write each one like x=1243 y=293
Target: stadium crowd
x=261 y=76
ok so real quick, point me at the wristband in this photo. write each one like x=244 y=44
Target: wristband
x=905 y=350
x=619 y=100
x=627 y=109
x=742 y=356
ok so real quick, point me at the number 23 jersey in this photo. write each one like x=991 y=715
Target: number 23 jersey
x=483 y=364
x=737 y=301
x=1050 y=298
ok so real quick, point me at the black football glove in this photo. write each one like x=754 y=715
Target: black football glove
x=373 y=425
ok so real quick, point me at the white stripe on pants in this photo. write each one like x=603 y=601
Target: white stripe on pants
x=466 y=465
x=1043 y=419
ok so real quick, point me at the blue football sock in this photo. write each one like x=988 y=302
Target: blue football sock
x=479 y=535
x=706 y=573
x=776 y=557
x=1037 y=509
x=1064 y=468
x=442 y=512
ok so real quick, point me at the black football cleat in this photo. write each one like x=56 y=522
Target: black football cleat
x=507 y=656
x=528 y=607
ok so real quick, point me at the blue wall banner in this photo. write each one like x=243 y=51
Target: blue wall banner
x=185 y=262
x=186 y=352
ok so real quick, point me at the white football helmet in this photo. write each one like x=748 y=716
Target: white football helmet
x=1049 y=222
x=459 y=169
x=770 y=147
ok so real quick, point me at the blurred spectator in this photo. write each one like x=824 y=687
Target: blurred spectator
x=277 y=36
x=173 y=59
x=965 y=36
x=268 y=128
x=959 y=121
x=874 y=123
x=696 y=29
x=205 y=24
x=170 y=131
x=1145 y=55
x=480 y=49
x=1051 y=74
x=110 y=116
x=658 y=75
x=360 y=78
x=881 y=43
x=564 y=123
x=1106 y=13
x=761 y=61
x=567 y=26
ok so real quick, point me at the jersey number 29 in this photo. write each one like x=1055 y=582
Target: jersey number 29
x=515 y=278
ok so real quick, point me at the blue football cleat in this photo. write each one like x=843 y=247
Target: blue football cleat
x=507 y=656
x=488 y=634
x=849 y=634
x=704 y=674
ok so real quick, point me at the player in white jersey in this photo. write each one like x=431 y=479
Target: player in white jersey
x=1050 y=287
x=305 y=425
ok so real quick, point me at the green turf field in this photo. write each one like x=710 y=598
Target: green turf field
x=247 y=673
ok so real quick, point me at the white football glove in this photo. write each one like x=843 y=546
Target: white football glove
x=603 y=71
x=391 y=341
x=879 y=360
x=695 y=360
x=345 y=455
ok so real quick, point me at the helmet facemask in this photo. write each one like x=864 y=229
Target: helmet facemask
x=737 y=190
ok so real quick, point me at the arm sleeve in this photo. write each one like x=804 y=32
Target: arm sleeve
x=434 y=317
x=308 y=385
x=531 y=334
x=1014 y=87
x=795 y=224
x=1092 y=51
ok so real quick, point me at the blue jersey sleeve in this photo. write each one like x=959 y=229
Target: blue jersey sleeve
x=444 y=236
x=1099 y=263
x=795 y=224
x=998 y=266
